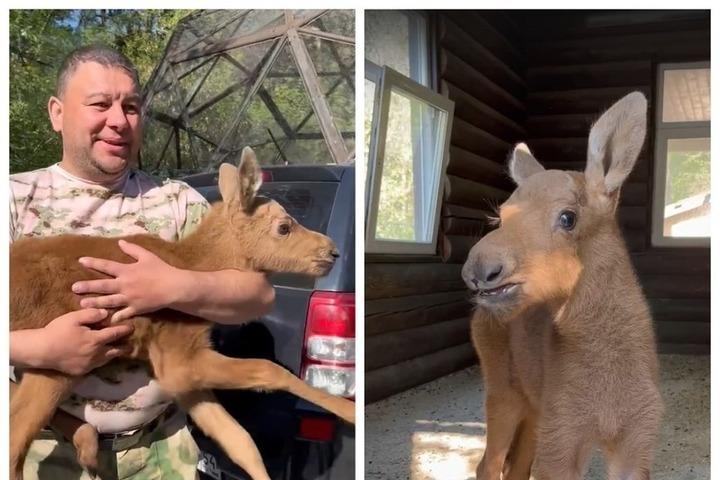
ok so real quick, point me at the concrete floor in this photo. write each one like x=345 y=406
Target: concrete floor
x=437 y=430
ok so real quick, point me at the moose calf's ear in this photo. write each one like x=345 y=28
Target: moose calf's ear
x=615 y=142
x=522 y=164
x=250 y=177
x=228 y=182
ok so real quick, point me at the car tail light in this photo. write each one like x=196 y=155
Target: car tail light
x=329 y=360
x=267 y=176
x=317 y=429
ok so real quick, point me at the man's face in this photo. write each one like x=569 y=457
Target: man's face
x=99 y=119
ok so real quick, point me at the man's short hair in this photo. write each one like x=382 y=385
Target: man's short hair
x=101 y=54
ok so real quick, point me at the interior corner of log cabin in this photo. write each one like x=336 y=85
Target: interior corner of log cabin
x=539 y=77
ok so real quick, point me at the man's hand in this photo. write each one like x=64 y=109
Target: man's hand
x=140 y=287
x=150 y=284
x=69 y=343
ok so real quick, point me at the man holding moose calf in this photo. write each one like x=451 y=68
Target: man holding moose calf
x=94 y=190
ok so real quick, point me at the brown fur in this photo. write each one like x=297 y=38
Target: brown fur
x=568 y=357
x=242 y=233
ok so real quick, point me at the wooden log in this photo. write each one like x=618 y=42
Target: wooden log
x=466 y=47
x=474 y=167
x=394 y=347
x=485 y=33
x=481 y=115
x=572 y=25
x=383 y=323
x=383 y=382
x=680 y=309
x=401 y=258
x=635 y=240
x=385 y=280
x=473 y=82
x=563 y=149
x=460 y=191
x=683 y=332
x=633 y=218
x=399 y=304
x=586 y=100
x=675 y=286
x=560 y=125
x=634 y=194
x=665 y=46
x=455 y=248
x=639 y=172
x=683 y=349
x=464 y=226
x=673 y=261
x=451 y=210
x=608 y=74
x=477 y=141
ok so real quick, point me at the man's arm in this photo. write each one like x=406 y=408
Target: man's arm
x=226 y=296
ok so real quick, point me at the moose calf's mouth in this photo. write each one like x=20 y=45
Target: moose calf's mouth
x=502 y=290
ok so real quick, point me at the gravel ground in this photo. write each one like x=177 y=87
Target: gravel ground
x=437 y=430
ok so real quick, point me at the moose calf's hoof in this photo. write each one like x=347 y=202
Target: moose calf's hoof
x=85 y=440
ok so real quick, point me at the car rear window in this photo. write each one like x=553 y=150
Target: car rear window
x=310 y=203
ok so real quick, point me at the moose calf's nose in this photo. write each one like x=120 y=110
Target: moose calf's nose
x=335 y=253
x=493 y=272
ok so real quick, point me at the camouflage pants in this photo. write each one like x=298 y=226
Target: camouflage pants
x=166 y=453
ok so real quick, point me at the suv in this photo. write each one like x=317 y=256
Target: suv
x=296 y=439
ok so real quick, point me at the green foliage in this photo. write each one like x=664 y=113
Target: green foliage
x=40 y=39
x=396 y=212
x=688 y=175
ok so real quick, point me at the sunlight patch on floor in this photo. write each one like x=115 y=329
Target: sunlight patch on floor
x=446 y=455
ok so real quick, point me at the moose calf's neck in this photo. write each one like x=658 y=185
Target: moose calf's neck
x=607 y=301
x=212 y=247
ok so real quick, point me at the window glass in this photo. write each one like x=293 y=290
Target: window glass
x=387 y=40
x=369 y=110
x=398 y=40
x=687 y=188
x=411 y=170
x=686 y=95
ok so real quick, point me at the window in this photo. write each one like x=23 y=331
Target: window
x=400 y=41
x=681 y=201
x=407 y=135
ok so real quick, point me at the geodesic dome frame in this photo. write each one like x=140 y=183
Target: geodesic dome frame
x=281 y=81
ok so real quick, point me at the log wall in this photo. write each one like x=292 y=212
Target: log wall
x=540 y=77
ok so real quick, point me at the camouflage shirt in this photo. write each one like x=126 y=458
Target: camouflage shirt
x=121 y=395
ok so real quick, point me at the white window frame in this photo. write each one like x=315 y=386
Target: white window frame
x=665 y=131
x=389 y=80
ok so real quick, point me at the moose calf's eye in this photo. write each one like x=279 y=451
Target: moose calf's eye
x=567 y=220
x=283 y=229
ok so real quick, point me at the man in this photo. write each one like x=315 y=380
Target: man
x=95 y=191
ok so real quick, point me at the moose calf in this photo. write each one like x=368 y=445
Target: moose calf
x=562 y=329
x=246 y=232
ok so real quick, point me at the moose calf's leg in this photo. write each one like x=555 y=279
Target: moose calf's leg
x=218 y=424
x=630 y=457
x=31 y=407
x=562 y=451
x=208 y=369
x=519 y=462
x=83 y=436
x=504 y=412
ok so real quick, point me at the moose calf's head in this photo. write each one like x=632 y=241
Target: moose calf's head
x=269 y=237
x=546 y=226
